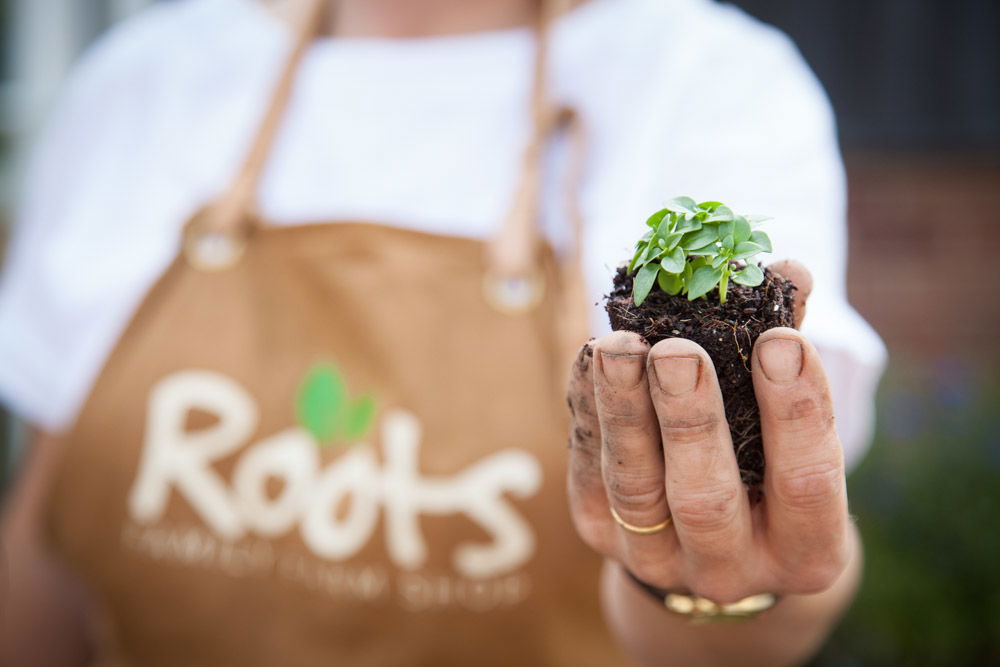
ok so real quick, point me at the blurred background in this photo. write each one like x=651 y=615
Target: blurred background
x=916 y=85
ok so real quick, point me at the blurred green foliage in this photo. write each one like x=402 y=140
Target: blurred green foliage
x=927 y=501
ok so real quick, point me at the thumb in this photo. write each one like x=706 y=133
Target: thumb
x=789 y=269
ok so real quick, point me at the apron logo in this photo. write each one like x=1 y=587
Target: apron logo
x=325 y=410
x=178 y=460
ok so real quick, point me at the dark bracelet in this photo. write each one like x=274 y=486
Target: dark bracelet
x=703 y=610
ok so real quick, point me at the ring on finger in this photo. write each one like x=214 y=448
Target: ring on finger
x=639 y=530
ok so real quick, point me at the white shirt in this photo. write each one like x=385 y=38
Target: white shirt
x=679 y=97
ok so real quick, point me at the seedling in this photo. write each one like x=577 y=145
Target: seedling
x=691 y=248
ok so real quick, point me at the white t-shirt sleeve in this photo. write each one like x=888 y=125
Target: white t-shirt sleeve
x=747 y=123
x=32 y=350
x=82 y=251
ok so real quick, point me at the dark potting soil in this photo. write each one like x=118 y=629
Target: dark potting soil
x=727 y=332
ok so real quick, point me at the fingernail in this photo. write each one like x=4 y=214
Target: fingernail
x=781 y=360
x=677 y=375
x=623 y=370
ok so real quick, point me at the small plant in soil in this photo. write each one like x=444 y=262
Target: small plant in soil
x=693 y=276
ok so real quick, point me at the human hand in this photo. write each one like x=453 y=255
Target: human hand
x=650 y=439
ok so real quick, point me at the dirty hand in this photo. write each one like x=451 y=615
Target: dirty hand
x=650 y=439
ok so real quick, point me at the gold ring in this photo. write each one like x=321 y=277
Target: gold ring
x=639 y=530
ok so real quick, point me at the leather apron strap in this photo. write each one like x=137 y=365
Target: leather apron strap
x=236 y=208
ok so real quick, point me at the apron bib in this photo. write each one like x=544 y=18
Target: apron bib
x=337 y=443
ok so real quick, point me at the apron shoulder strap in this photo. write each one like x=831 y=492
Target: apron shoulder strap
x=236 y=205
x=512 y=251
x=513 y=283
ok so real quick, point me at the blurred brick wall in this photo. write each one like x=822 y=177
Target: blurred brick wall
x=925 y=241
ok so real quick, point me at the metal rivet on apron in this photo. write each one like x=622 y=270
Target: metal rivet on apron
x=213 y=251
x=511 y=295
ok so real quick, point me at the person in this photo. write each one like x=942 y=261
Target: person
x=259 y=439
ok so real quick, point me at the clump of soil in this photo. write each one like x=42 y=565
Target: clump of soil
x=727 y=332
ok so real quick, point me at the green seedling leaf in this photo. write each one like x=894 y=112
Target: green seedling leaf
x=710 y=250
x=650 y=253
x=640 y=250
x=719 y=261
x=682 y=205
x=688 y=224
x=635 y=260
x=669 y=283
x=701 y=238
x=746 y=249
x=742 y=230
x=674 y=262
x=726 y=229
x=643 y=283
x=673 y=240
x=761 y=239
x=654 y=220
x=359 y=417
x=665 y=226
x=702 y=281
x=721 y=214
x=751 y=275
x=728 y=243
x=710 y=205
x=320 y=402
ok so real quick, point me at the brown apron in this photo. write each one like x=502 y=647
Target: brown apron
x=337 y=444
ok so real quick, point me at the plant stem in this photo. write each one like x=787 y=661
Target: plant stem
x=723 y=286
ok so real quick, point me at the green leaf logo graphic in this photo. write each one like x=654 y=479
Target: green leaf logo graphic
x=358 y=418
x=325 y=410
